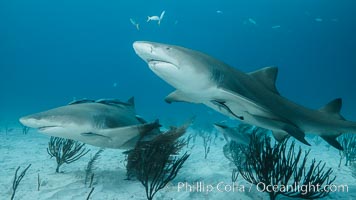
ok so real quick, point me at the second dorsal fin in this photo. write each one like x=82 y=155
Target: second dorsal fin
x=333 y=108
x=131 y=101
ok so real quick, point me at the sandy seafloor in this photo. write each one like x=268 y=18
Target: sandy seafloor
x=17 y=149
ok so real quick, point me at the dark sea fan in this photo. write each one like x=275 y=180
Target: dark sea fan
x=65 y=150
x=17 y=180
x=281 y=166
x=155 y=163
x=348 y=143
x=90 y=166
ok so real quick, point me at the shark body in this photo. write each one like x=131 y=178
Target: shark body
x=102 y=123
x=234 y=134
x=250 y=97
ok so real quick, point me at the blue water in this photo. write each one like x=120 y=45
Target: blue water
x=54 y=51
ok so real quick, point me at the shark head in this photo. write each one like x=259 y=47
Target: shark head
x=58 y=122
x=176 y=65
x=104 y=123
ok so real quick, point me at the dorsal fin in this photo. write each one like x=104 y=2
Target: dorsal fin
x=115 y=102
x=333 y=108
x=80 y=101
x=140 y=119
x=267 y=76
x=131 y=101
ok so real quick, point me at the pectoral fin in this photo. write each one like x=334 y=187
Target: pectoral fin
x=90 y=134
x=238 y=102
x=178 y=96
x=122 y=135
x=279 y=135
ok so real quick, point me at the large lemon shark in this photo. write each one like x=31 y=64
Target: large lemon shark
x=250 y=97
x=107 y=123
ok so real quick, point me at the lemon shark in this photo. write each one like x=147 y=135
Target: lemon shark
x=249 y=97
x=107 y=123
x=233 y=133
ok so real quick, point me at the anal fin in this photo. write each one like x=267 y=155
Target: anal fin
x=333 y=142
x=296 y=133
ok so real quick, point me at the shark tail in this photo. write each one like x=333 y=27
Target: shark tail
x=147 y=128
x=148 y=18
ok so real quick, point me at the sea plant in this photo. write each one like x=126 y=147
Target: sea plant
x=155 y=163
x=90 y=166
x=207 y=138
x=348 y=143
x=65 y=150
x=38 y=182
x=25 y=129
x=8 y=129
x=235 y=152
x=280 y=166
x=234 y=175
x=17 y=180
x=90 y=193
x=189 y=139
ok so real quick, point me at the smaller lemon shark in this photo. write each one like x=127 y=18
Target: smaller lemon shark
x=107 y=123
x=249 y=97
x=233 y=133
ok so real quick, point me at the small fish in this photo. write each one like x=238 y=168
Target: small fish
x=252 y=21
x=152 y=18
x=9 y=129
x=277 y=26
x=156 y=18
x=114 y=85
x=161 y=17
x=219 y=12
x=133 y=22
x=318 y=19
x=335 y=20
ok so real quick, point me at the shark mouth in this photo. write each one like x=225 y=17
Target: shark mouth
x=154 y=62
x=157 y=61
x=44 y=128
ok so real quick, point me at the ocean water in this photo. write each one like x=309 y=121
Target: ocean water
x=52 y=52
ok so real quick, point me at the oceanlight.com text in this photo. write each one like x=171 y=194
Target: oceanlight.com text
x=303 y=188
x=202 y=187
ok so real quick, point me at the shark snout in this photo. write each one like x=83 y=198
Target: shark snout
x=36 y=121
x=220 y=125
x=154 y=54
x=29 y=121
x=143 y=49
